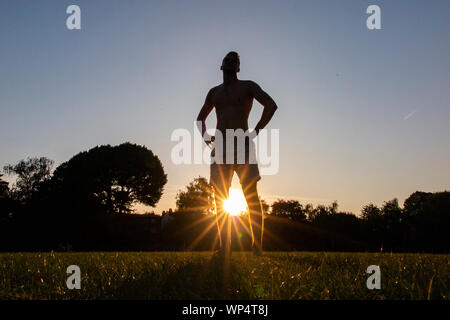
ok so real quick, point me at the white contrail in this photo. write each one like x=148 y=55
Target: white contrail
x=409 y=115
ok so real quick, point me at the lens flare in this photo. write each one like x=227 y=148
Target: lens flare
x=235 y=204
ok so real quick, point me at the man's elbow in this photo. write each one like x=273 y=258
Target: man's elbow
x=271 y=106
x=274 y=107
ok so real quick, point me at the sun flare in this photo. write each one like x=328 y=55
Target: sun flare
x=235 y=204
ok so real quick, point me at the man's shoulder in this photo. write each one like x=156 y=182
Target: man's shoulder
x=214 y=89
x=245 y=83
x=249 y=84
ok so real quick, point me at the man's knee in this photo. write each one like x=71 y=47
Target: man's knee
x=251 y=193
x=250 y=188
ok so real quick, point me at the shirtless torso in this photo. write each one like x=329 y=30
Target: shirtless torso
x=233 y=102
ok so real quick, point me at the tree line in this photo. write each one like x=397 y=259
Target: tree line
x=87 y=203
x=422 y=223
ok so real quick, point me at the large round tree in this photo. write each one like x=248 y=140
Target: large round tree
x=109 y=179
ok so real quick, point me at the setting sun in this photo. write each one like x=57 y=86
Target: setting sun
x=235 y=204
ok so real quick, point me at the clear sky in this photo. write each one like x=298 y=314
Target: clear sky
x=363 y=114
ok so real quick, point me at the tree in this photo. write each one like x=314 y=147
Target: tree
x=289 y=208
x=427 y=217
x=110 y=179
x=4 y=187
x=333 y=208
x=370 y=212
x=5 y=201
x=318 y=213
x=309 y=211
x=392 y=213
x=414 y=206
x=384 y=225
x=198 y=196
x=31 y=173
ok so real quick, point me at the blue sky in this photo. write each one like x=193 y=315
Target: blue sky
x=363 y=114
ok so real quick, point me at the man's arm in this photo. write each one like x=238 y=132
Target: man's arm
x=204 y=112
x=267 y=102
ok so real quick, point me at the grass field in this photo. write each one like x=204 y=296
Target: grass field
x=200 y=275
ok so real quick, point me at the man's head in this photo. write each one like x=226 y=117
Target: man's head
x=231 y=62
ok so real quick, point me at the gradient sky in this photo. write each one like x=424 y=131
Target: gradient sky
x=363 y=115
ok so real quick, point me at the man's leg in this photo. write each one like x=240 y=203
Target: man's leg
x=221 y=176
x=222 y=219
x=255 y=214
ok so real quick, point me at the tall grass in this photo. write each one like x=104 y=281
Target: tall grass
x=200 y=275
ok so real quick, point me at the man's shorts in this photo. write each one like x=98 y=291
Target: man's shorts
x=222 y=175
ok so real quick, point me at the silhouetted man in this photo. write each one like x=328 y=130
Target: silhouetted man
x=233 y=101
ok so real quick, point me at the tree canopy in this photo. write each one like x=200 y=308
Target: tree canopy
x=110 y=179
x=198 y=196
x=31 y=173
x=289 y=208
